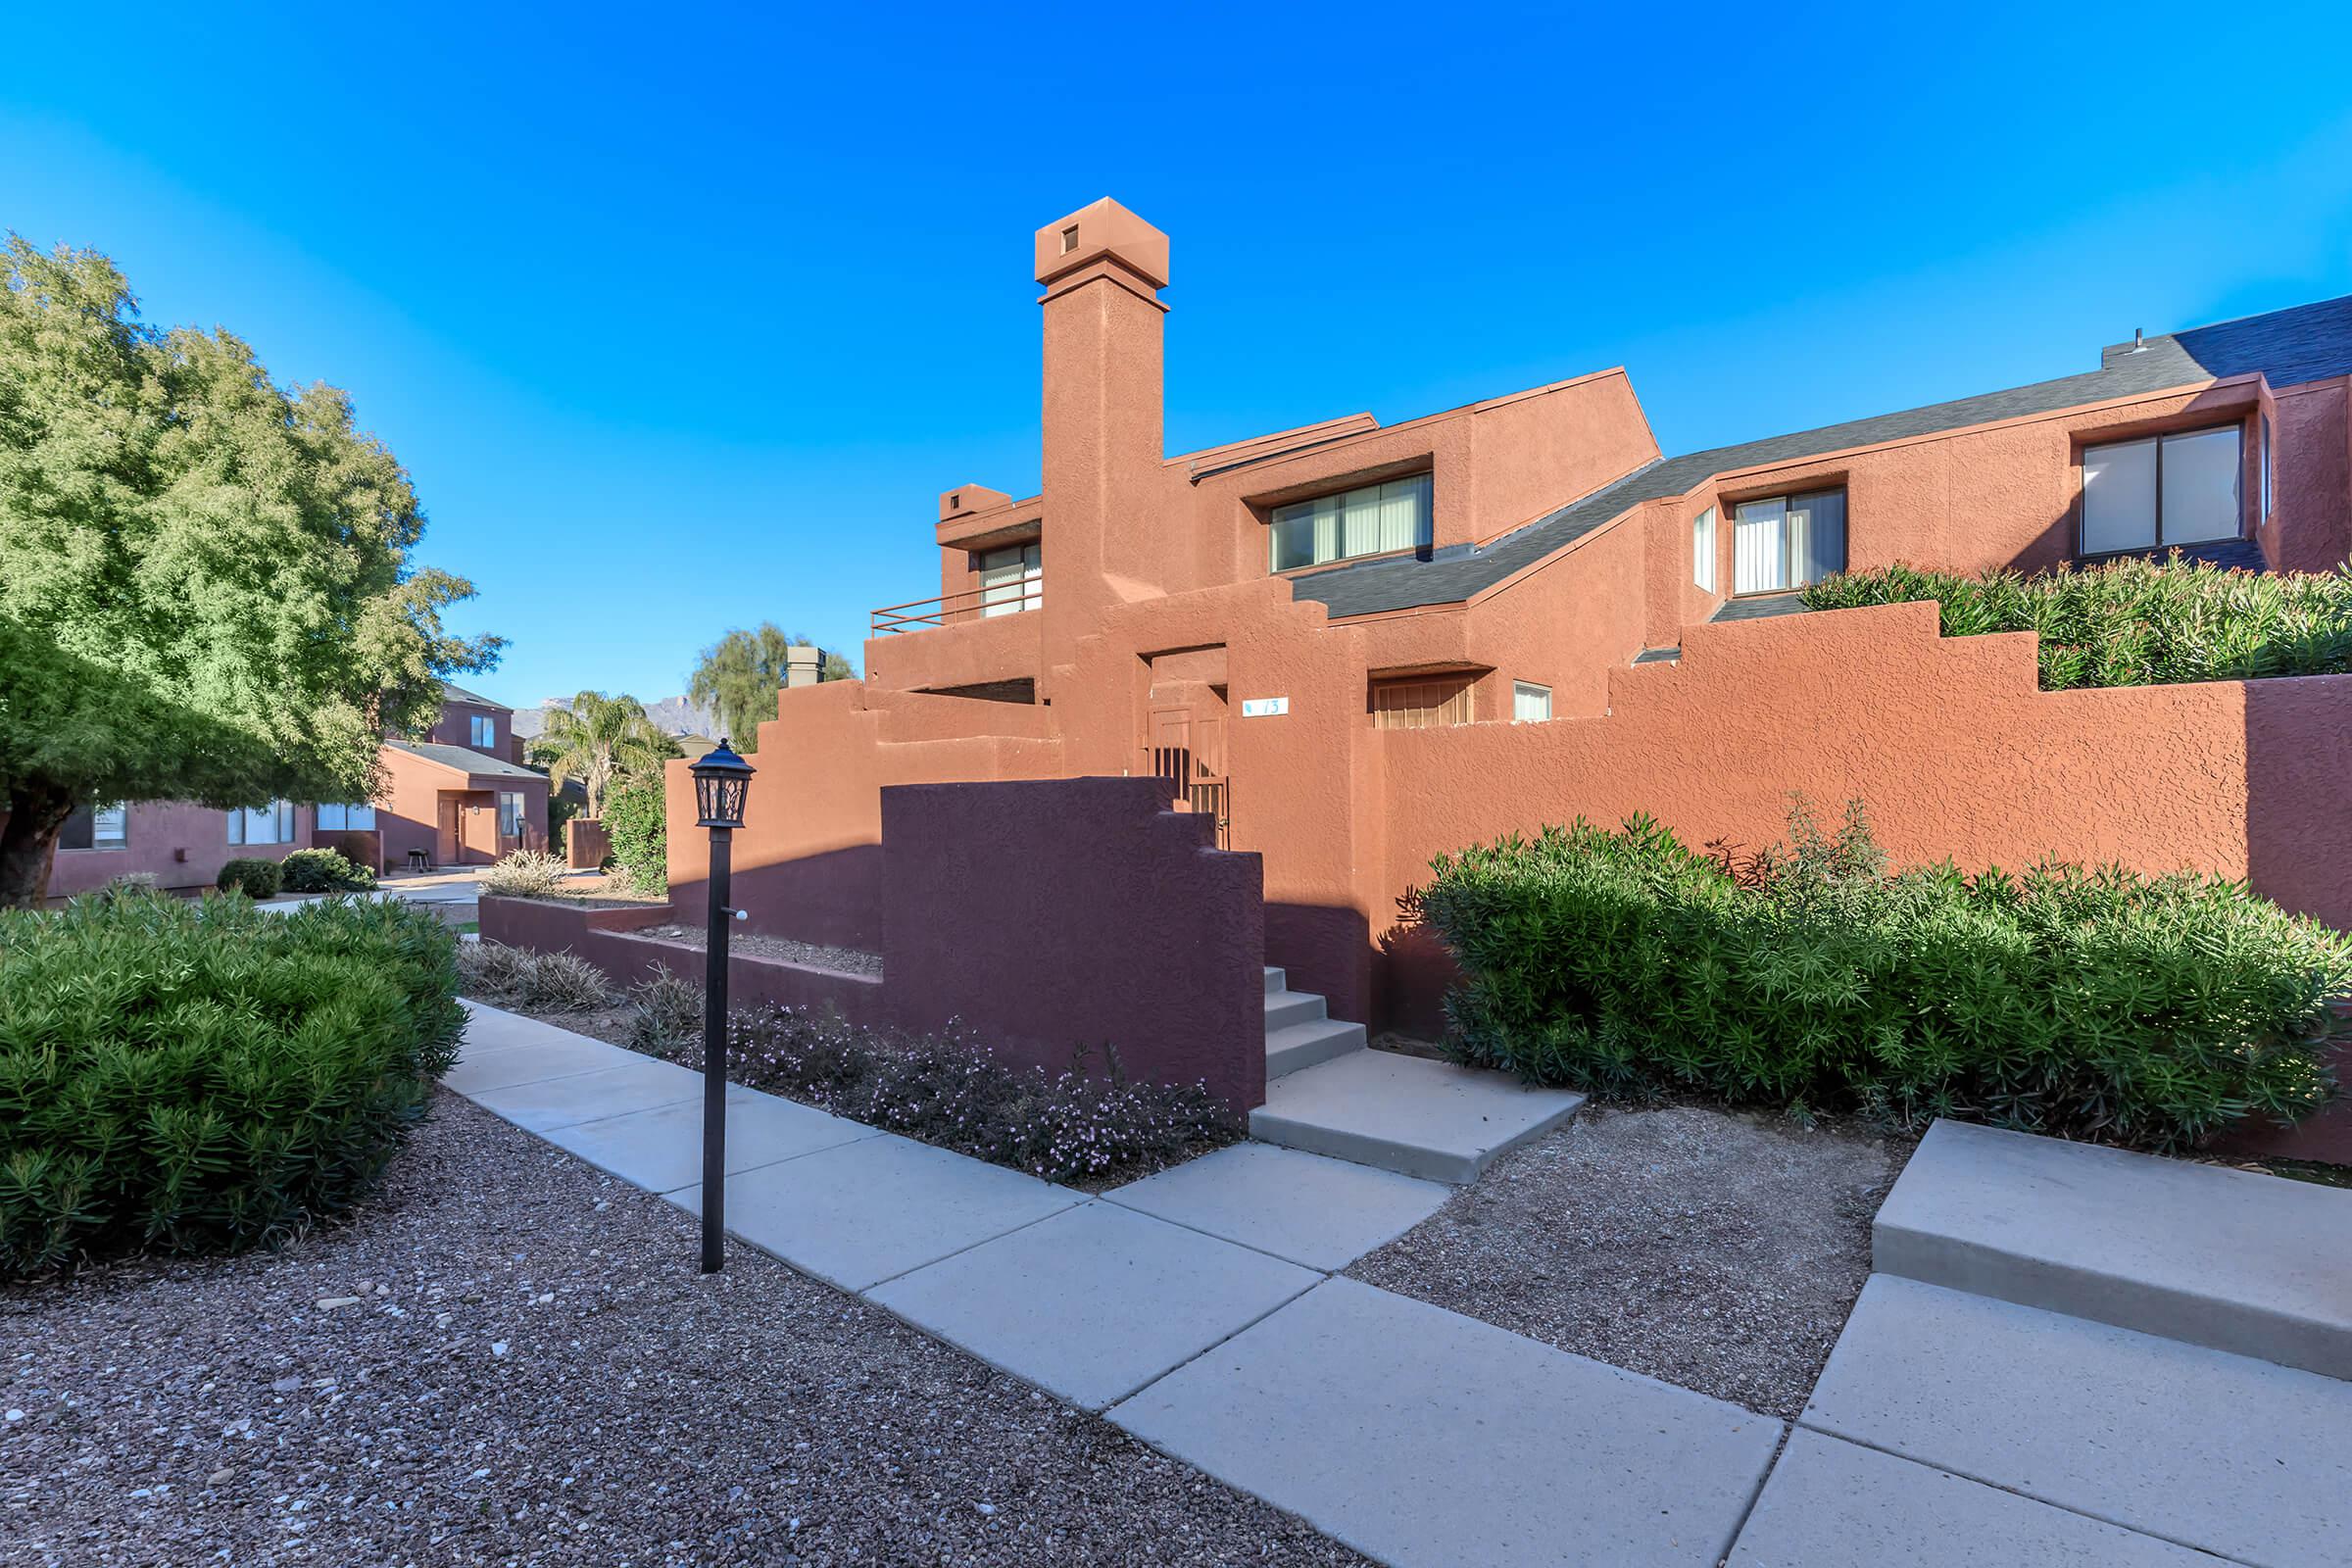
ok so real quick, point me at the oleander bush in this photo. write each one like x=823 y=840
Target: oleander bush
x=256 y=879
x=524 y=874
x=2147 y=1011
x=636 y=821
x=182 y=1076
x=2132 y=622
x=944 y=1089
x=530 y=981
x=325 y=871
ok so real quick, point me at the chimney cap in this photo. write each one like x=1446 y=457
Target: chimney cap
x=1099 y=230
x=966 y=499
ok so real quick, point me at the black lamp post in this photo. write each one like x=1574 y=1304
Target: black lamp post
x=720 y=782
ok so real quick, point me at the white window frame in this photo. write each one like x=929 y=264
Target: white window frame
x=336 y=817
x=2159 y=537
x=2267 y=438
x=1526 y=696
x=1702 y=550
x=481 y=730
x=510 y=814
x=1327 y=521
x=1786 y=568
x=1012 y=579
x=281 y=815
x=100 y=837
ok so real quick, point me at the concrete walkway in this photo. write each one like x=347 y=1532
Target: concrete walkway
x=1200 y=1309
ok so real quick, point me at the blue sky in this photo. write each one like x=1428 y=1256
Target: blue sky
x=681 y=317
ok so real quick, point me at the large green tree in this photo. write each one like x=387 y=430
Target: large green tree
x=205 y=585
x=740 y=674
x=599 y=740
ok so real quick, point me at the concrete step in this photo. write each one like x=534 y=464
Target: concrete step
x=1286 y=1007
x=1274 y=980
x=1302 y=1044
x=2232 y=1260
x=2223 y=1454
x=1421 y=1118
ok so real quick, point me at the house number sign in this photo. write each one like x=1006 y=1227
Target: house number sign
x=1264 y=706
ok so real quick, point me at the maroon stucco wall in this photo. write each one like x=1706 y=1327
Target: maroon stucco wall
x=1059 y=913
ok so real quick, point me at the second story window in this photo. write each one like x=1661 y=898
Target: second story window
x=2160 y=490
x=1784 y=542
x=1702 y=550
x=484 y=730
x=1012 y=579
x=1376 y=520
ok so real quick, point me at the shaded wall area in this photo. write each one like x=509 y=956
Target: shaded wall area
x=1044 y=917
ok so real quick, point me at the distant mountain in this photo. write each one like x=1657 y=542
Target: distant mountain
x=677 y=716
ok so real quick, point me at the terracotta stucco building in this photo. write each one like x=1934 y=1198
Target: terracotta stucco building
x=459 y=795
x=1359 y=645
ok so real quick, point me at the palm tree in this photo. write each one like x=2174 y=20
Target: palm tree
x=600 y=739
x=741 y=673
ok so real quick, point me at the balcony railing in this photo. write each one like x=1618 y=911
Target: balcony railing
x=949 y=610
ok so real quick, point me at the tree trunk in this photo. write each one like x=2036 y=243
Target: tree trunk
x=28 y=844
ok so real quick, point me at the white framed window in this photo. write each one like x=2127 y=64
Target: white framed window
x=2161 y=490
x=1702 y=550
x=1371 y=520
x=1785 y=542
x=1531 y=704
x=346 y=818
x=509 y=816
x=2266 y=468
x=96 y=827
x=1012 y=579
x=483 y=730
x=263 y=824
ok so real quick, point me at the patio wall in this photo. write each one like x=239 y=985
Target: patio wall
x=1039 y=917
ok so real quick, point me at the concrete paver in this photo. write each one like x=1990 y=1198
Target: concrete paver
x=1834 y=1504
x=864 y=1213
x=1095 y=1302
x=2219 y=1451
x=1324 y=1213
x=1401 y=1113
x=2231 y=1259
x=661 y=1149
x=546 y=1103
x=1421 y=1437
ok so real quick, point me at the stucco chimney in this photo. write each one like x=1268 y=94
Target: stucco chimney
x=802 y=666
x=1103 y=269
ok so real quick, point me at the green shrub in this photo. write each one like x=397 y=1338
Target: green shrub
x=663 y=1013
x=2152 y=1012
x=324 y=871
x=561 y=810
x=2134 y=622
x=524 y=874
x=635 y=816
x=256 y=879
x=192 y=1076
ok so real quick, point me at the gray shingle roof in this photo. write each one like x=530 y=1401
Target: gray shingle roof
x=464 y=760
x=2305 y=343
x=458 y=693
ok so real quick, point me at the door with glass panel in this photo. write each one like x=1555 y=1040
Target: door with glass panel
x=1012 y=579
x=1785 y=542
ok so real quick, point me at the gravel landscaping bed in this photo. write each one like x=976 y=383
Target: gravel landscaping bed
x=1719 y=1252
x=844 y=961
x=508 y=1357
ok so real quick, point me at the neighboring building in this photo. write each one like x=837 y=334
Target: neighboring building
x=1344 y=640
x=458 y=796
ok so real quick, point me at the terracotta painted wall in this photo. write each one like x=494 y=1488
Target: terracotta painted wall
x=1949 y=741
x=158 y=834
x=1064 y=914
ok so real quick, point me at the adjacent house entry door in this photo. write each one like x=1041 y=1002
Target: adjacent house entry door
x=449 y=848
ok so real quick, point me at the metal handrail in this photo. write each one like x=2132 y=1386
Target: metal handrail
x=973 y=604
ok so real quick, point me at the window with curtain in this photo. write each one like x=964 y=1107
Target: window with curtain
x=1531 y=704
x=1702 y=550
x=96 y=827
x=2161 y=490
x=484 y=732
x=346 y=818
x=263 y=824
x=1373 y=520
x=509 y=816
x=1785 y=542
x=1012 y=579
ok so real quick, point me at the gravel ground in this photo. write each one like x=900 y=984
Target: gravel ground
x=1722 y=1252
x=508 y=1357
x=845 y=961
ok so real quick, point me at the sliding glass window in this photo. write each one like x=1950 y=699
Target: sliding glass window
x=1374 y=520
x=1785 y=542
x=2161 y=490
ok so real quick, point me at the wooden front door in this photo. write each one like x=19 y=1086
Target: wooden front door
x=450 y=847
